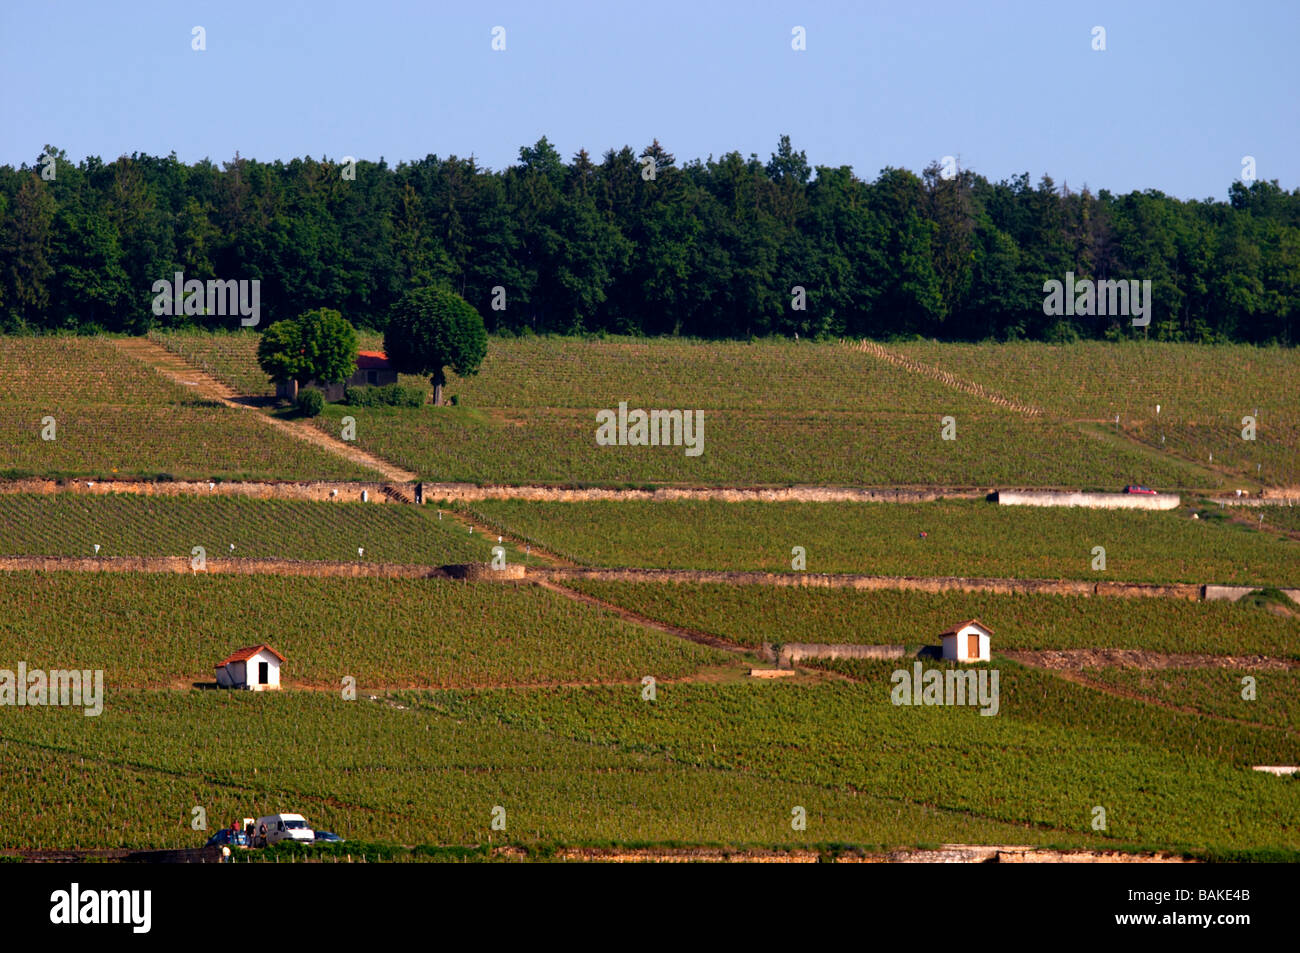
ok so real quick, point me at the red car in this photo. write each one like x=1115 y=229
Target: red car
x=1144 y=490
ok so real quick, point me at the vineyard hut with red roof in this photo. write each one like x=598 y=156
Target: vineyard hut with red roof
x=255 y=668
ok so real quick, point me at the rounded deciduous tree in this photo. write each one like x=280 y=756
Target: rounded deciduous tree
x=432 y=329
x=319 y=345
x=279 y=351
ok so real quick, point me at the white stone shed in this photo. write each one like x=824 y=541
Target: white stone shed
x=255 y=668
x=967 y=641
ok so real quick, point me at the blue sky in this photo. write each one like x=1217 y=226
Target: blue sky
x=1183 y=91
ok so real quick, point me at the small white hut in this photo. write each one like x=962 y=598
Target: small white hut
x=256 y=668
x=967 y=641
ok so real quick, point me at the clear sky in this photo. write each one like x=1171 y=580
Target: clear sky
x=1182 y=92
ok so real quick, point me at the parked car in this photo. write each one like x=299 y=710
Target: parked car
x=1144 y=490
x=283 y=827
x=228 y=838
x=328 y=837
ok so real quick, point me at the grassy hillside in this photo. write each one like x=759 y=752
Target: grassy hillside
x=1052 y=753
x=774 y=412
x=128 y=525
x=157 y=631
x=1203 y=392
x=752 y=615
x=115 y=417
x=371 y=771
x=962 y=538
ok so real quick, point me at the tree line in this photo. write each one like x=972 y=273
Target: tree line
x=640 y=244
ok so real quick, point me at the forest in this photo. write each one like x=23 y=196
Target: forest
x=639 y=243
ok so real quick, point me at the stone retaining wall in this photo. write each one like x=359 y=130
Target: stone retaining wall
x=469 y=492
x=792 y=652
x=1066 y=587
x=245 y=567
x=1233 y=593
x=1102 y=501
x=320 y=491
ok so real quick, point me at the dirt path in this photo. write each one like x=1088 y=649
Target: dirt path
x=951 y=380
x=1117 y=691
x=738 y=577
x=690 y=635
x=179 y=371
x=1077 y=660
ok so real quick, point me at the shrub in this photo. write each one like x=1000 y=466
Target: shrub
x=310 y=402
x=387 y=395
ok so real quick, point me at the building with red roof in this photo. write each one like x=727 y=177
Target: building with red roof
x=373 y=370
x=255 y=668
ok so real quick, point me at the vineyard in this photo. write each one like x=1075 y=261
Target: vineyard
x=529 y=416
x=752 y=615
x=559 y=372
x=531 y=695
x=1053 y=752
x=67 y=371
x=1221 y=693
x=1272 y=458
x=1203 y=392
x=746 y=448
x=941 y=538
x=1095 y=381
x=169 y=631
x=370 y=771
x=115 y=417
x=186 y=441
x=1284 y=518
x=232 y=357
x=126 y=525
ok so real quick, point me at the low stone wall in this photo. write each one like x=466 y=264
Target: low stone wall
x=1102 y=501
x=244 y=567
x=480 y=571
x=517 y=571
x=1233 y=593
x=260 y=567
x=1065 y=587
x=1272 y=496
x=469 y=492
x=792 y=652
x=320 y=491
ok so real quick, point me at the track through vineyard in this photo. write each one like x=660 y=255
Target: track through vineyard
x=691 y=635
x=181 y=372
x=1078 y=677
x=880 y=352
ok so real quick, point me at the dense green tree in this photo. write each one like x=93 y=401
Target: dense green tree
x=319 y=345
x=432 y=329
x=640 y=243
x=25 y=253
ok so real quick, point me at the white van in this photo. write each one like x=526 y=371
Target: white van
x=283 y=827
